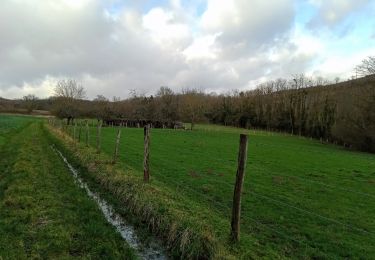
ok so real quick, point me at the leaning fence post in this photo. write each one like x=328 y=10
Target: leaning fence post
x=146 y=158
x=236 y=209
x=116 y=145
x=98 y=136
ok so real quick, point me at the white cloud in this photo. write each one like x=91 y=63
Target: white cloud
x=230 y=44
x=165 y=30
x=247 y=26
x=306 y=43
x=202 y=48
x=341 y=65
x=41 y=88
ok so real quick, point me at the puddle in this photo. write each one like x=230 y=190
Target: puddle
x=153 y=250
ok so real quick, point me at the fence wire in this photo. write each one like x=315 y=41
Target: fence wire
x=220 y=206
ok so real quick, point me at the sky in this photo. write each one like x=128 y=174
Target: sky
x=114 y=47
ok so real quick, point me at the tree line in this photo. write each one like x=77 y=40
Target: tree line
x=342 y=113
x=338 y=112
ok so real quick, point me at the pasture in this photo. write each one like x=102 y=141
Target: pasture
x=301 y=198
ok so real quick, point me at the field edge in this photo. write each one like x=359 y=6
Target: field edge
x=149 y=206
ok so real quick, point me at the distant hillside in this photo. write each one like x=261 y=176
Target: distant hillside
x=342 y=113
x=39 y=107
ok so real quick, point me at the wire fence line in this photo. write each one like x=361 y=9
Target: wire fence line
x=288 y=205
x=302 y=210
x=290 y=238
x=224 y=206
x=311 y=213
x=166 y=151
x=279 y=174
x=227 y=208
x=255 y=143
x=230 y=186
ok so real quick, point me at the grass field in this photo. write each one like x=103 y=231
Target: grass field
x=12 y=123
x=43 y=213
x=301 y=199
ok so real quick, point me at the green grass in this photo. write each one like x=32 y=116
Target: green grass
x=9 y=123
x=301 y=198
x=43 y=213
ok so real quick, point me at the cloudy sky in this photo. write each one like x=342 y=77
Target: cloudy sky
x=115 y=46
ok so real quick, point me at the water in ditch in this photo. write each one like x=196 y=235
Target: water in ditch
x=152 y=250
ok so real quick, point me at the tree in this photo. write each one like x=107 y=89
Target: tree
x=367 y=67
x=68 y=94
x=100 y=98
x=192 y=106
x=70 y=89
x=168 y=104
x=30 y=102
x=102 y=108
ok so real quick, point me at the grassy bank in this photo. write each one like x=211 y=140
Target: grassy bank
x=165 y=212
x=301 y=199
x=43 y=213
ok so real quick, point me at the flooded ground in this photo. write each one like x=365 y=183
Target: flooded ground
x=152 y=250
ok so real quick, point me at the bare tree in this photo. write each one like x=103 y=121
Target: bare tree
x=69 y=88
x=68 y=94
x=367 y=67
x=30 y=102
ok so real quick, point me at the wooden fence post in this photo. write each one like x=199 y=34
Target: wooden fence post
x=236 y=209
x=74 y=131
x=146 y=158
x=98 y=136
x=87 y=133
x=79 y=132
x=115 y=154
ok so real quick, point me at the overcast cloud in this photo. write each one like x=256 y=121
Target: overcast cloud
x=116 y=46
